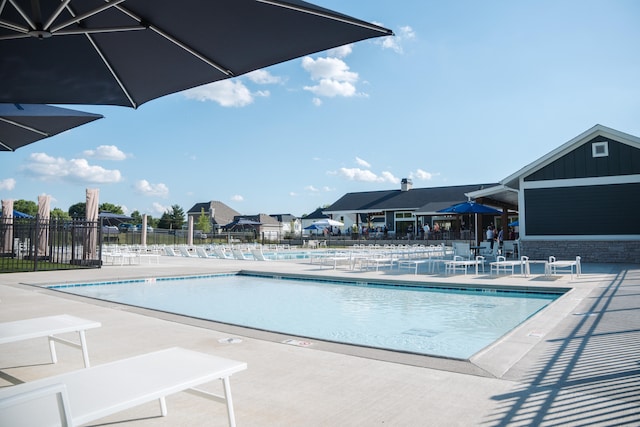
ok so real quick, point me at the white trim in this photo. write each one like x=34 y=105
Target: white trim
x=581 y=182
x=583 y=238
x=597 y=130
x=594 y=149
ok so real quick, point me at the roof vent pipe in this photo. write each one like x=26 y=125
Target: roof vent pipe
x=406 y=184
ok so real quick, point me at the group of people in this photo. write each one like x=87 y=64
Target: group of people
x=497 y=235
x=422 y=232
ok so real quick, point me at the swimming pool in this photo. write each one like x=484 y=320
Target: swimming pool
x=426 y=320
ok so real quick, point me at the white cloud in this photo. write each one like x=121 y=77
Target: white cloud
x=263 y=77
x=43 y=166
x=329 y=68
x=237 y=198
x=341 y=51
x=293 y=194
x=7 y=184
x=395 y=42
x=145 y=188
x=365 y=175
x=317 y=102
x=311 y=188
x=160 y=209
x=421 y=175
x=389 y=177
x=227 y=93
x=106 y=152
x=331 y=88
x=362 y=163
x=326 y=189
x=333 y=78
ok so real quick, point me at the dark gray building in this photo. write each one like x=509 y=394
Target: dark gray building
x=581 y=199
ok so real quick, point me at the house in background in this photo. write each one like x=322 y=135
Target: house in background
x=266 y=227
x=581 y=199
x=314 y=216
x=291 y=225
x=401 y=210
x=219 y=213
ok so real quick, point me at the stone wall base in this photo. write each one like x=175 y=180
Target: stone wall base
x=594 y=251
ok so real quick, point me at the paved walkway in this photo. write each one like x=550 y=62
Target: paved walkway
x=577 y=363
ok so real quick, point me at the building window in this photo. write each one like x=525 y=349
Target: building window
x=600 y=149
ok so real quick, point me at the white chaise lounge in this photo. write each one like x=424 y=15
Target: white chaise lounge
x=86 y=395
x=20 y=330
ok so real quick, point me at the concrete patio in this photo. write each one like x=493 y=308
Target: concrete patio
x=576 y=363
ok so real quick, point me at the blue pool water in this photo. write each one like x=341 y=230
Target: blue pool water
x=424 y=320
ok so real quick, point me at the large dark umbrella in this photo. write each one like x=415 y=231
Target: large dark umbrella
x=470 y=207
x=22 y=124
x=127 y=52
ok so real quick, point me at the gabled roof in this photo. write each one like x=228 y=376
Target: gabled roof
x=513 y=181
x=284 y=218
x=415 y=199
x=222 y=214
x=317 y=214
x=264 y=219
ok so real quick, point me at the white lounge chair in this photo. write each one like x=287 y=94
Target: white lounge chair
x=169 y=251
x=258 y=254
x=87 y=395
x=460 y=264
x=506 y=266
x=571 y=266
x=238 y=254
x=221 y=253
x=184 y=251
x=20 y=330
x=203 y=254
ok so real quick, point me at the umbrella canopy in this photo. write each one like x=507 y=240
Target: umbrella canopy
x=18 y=214
x=328 y=222
x=22 y=124
x=315 y=227
x=515 y=223
x=127 y=52
x=470 y=207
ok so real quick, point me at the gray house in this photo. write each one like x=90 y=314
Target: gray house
x=581 y=199
x=399 y=209
x=219 y=213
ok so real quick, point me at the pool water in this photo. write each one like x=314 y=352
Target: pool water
x=425 y=320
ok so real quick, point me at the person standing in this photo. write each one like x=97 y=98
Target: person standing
x=426 y=231
x=490 y=235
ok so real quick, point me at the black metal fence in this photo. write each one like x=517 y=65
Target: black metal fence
x=32 y=244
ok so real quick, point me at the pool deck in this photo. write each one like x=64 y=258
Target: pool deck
x=576 y=363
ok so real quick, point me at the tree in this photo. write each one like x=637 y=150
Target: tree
x=28 y=207
x=172 y=219
x=204 y=223
x=136 y=218
x=110 y=207
x=79 y=210
x=59 y=214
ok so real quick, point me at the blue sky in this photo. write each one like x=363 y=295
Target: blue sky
x=466 y=92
